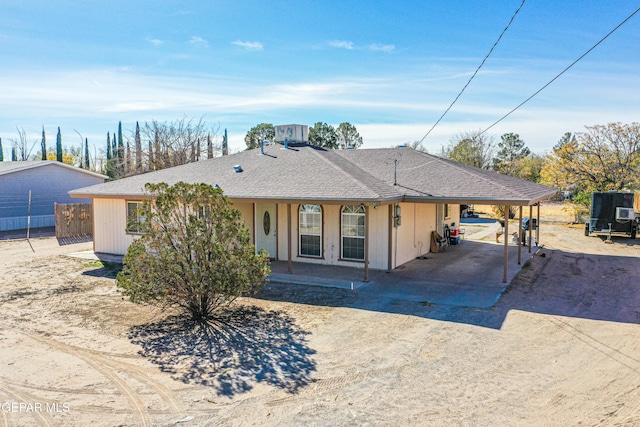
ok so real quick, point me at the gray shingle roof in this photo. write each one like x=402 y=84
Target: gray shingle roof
x=11 y=167
x=311 y=173
x=422 y=175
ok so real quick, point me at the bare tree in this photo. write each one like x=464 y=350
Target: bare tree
x=176 y=143
x=21 y=146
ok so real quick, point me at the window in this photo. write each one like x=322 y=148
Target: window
x=447 y=211
x=353 y=232
x=310 y=230
x=135 y=217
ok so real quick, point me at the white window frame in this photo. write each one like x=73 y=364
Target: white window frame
x=350 y=212
x=303 y=216
x=139 y=217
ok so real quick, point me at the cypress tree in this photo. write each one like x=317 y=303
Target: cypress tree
x=150 y=156
x=1 y=152
x=138 y=149
x=127 y=164
x=108 y=146
x=59 y=146
x=43 y=145
x=86 y=153
x=120 y=157
x=14 y=155
x=114 y=149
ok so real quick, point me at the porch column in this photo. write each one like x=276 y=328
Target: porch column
x=520 y=235
x=530 y=226
x=506 y=243
x=538 y=225
x=390 y=260
x=289 y=257
x=366 y=243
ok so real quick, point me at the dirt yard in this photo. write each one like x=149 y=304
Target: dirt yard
x=561 y=347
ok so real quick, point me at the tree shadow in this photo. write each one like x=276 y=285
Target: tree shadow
x=108 y=270
x=245 y=345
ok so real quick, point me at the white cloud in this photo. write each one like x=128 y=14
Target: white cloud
x=248 y=45
x=155 y=42
x=198 y=41
x=382 y=47
x=342 y=44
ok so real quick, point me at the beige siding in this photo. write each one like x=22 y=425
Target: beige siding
x=331 y=237
x=282 y=230
x=110 y=222
x=379 y=237
x=412 y=238
x=246 y=213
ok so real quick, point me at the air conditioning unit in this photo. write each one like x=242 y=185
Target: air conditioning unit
x=625 y=214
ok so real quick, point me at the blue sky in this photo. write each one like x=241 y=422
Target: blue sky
x=389 y=67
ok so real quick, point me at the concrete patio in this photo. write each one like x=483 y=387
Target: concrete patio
x=469 y=274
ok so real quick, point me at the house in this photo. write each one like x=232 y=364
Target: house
x=49 y=182
x=368 y=208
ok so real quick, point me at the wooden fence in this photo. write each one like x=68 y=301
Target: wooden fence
x=73 y=220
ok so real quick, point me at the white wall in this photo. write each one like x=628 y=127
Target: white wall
x=413 y=237
x=109 y=226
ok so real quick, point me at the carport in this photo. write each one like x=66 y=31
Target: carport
x=462 y=275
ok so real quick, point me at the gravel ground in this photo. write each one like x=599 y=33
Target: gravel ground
x=561 y=347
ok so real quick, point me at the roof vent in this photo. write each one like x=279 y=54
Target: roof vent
x=237 y=168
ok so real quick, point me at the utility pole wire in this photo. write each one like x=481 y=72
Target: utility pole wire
x=562 y=72
x=475 y=72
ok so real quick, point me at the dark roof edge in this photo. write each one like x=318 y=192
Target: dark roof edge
x=479 y=200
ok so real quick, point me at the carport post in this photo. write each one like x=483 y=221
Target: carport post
x=366 y=243
x=289 y=257
x=506 y=243
x=530 y=226
x=520 y=235
x=538 y=225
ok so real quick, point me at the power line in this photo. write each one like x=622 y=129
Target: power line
x=475 y=72
x=562 y=72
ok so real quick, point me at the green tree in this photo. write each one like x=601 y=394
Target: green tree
x=529 y=168
x=59 y=146
x=14 y=154
x=348 y=136
x=86 y=154
x=605 y=157
x=1 y=151
x=138 y=142
x=323 y=135
x=108 y=146
x=471 y=148
x=259 y=133
x=43 y=145
x=120 y=153
x=510 y=149
x=195 y=252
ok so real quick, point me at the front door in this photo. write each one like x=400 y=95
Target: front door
x=266 y=230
